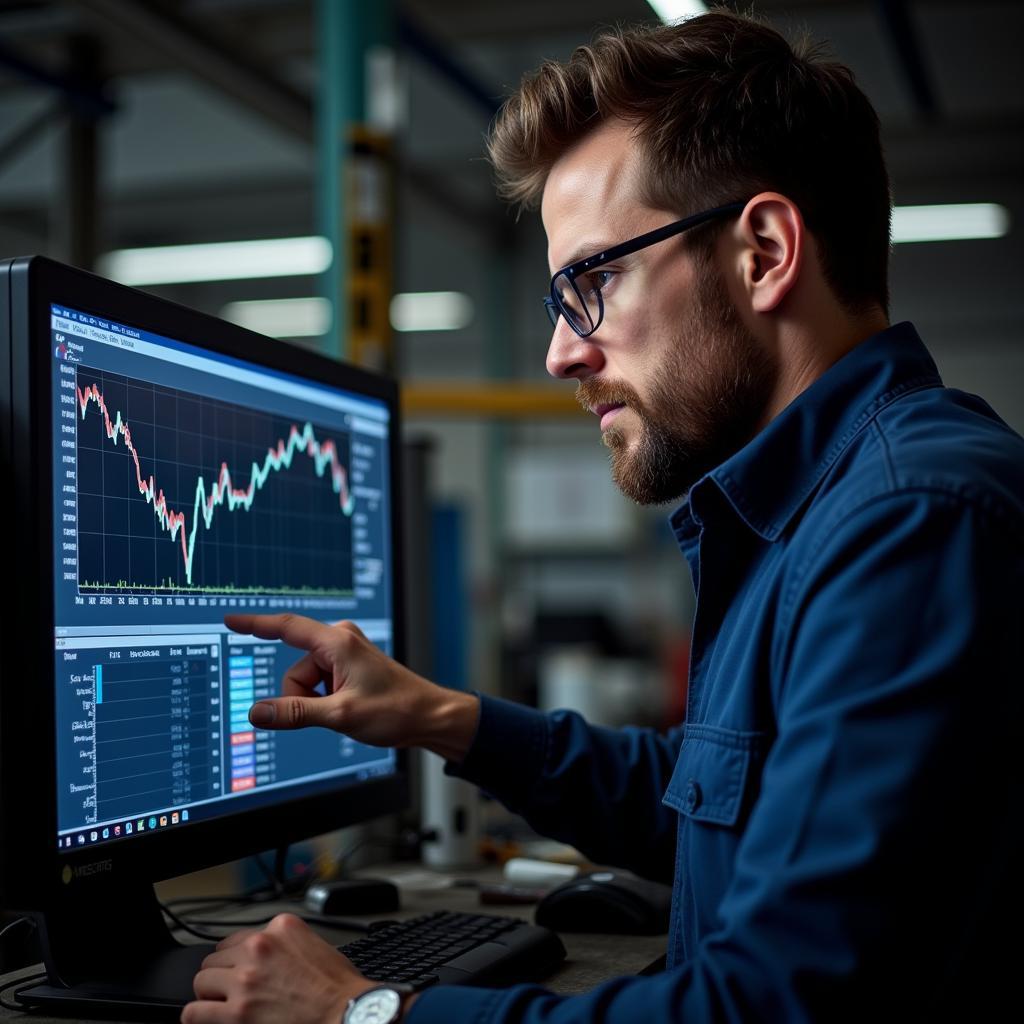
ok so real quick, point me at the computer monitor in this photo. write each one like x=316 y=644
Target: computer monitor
x=163 y=468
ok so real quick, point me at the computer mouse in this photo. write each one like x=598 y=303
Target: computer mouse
x=607 y=901
x=352 y=896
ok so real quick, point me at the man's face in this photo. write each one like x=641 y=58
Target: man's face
x=677 y=379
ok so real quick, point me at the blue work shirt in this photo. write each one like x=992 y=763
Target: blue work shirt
x=839 y=813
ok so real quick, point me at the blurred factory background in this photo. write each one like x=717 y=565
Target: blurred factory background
x=357 y=128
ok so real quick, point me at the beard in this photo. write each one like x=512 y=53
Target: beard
x=702 y=406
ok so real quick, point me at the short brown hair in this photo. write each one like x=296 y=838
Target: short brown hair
x=724 y=108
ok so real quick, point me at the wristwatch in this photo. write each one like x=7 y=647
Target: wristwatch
x=380 y=1005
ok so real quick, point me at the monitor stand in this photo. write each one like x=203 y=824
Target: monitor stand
x=108 y=954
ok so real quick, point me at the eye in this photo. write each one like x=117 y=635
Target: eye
x=595 y=280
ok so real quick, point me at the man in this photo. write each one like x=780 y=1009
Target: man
x=838 y=813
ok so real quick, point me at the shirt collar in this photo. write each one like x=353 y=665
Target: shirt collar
x=769 y=479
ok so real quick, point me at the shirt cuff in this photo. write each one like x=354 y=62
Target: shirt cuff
x=507 y=734
x=463 y=1003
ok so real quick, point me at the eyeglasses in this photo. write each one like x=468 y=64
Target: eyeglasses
x=576 y=290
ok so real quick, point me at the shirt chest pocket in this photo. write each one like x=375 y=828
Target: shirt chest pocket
x=717 y=775
x=715 y=783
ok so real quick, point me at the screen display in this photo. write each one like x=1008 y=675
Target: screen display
x=187 y=485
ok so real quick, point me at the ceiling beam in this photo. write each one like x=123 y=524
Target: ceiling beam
x=904 y=37
x=210 y=59
x=214 y=62
x=435 y=55
x=86 y=97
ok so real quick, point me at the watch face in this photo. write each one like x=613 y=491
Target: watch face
x=378 y=1006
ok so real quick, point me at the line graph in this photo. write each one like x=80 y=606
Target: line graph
x=178 y=492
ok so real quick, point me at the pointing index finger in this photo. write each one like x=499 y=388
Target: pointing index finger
x=295 y=630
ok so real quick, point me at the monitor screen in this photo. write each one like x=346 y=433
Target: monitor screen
x=165 y=468
x=188 y=484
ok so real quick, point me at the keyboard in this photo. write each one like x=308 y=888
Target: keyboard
x=449 y=948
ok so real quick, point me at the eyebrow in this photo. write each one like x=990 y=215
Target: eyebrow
x=585 y=251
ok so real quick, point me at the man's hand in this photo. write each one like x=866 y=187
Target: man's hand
x=370 y=697
x=283 y=974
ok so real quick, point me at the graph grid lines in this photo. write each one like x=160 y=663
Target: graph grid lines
x=182 y=493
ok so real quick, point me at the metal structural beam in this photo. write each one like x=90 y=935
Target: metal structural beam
x=76 y=207
x=900 y=28
x=84 y=97
x=436 y=56
x=214 y=62
x=487 y=399
x=209 y=59
x=348 y=31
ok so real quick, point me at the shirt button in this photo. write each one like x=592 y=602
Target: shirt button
x=692 y=795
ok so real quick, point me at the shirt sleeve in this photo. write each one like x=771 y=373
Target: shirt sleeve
x=884 y=847
x=593 y=787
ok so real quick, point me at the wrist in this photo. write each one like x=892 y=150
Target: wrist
x=353 y=1008
x=450 y=723
x=339 y=1010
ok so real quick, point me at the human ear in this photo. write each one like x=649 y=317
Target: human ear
x=773 y=236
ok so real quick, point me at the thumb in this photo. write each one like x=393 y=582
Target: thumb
x=290 y=713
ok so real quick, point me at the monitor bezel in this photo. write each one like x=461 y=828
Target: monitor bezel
x=34 y=872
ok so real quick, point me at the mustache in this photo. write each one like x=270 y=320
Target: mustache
x=595 y=391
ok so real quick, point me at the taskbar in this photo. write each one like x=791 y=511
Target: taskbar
x=205 y=810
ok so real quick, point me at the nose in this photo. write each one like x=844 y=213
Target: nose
x=570 y=356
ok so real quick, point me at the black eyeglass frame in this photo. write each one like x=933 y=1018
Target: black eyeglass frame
x=553 y=303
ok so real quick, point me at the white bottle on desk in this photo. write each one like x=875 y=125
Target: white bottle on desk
x=450 y=809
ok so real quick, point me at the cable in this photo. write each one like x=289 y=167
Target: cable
x=270 y=876
x=280 y=866
x=278 y=887
x=14 y=924
x=185 y=926
x=18 y=986
x=340 y=923
x=21 y=982
x=259 y=894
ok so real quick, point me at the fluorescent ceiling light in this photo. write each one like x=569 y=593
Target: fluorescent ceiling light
x=218 y=261
x=673 y=10
x=281 y=318
x=949 y=222
x=431 y=311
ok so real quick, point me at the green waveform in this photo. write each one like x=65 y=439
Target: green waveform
x=171 y=587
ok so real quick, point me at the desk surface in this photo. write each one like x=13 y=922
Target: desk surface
x=591 y=958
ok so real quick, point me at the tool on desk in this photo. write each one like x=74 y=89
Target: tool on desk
x=540 y=873
x=450 y=816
